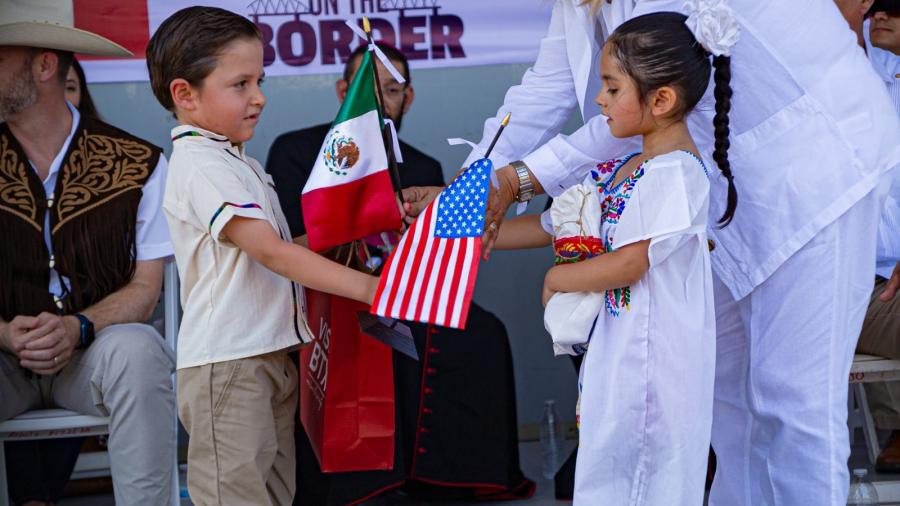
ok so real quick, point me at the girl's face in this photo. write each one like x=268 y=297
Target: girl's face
x=619 y=99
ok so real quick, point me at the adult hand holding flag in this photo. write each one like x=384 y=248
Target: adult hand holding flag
x=431 y=274
x=416 y=199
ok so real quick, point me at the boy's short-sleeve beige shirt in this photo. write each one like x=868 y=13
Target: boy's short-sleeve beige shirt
x=234 y=307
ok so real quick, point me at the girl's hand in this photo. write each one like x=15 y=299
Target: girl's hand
x=547 y=292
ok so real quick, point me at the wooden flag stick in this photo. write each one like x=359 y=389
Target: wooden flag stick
x=385 y=132
x=497 y=135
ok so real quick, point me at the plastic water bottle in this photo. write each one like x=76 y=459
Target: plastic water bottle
x=551 y=440
x=861 y=490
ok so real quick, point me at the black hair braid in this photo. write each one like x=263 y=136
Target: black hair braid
x=722 y=92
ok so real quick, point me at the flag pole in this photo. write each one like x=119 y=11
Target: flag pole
x=385 y=133
x=497 y=135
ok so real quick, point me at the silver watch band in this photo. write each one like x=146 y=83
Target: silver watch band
x=526 y=186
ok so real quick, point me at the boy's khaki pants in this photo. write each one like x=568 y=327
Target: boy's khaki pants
x=240 y=418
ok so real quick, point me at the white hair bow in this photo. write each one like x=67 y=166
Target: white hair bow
x=713 y=24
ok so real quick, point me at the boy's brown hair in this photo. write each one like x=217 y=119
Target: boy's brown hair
x=187 y=45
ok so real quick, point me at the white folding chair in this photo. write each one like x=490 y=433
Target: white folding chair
x=60 y=423
x=867 y=369
x=871 y=369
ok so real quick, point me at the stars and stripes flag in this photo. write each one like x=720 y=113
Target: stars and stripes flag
x=431 y=274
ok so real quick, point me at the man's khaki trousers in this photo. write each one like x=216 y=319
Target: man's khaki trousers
x=126 y=374
x=881 y=336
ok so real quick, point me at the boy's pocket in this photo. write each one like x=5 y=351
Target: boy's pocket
x=222 y=377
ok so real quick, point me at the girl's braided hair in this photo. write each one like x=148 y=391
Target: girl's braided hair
x=658 y=50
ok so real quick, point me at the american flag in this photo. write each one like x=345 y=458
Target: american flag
x=431 y=274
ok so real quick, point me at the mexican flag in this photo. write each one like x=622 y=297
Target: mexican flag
x=349 y=194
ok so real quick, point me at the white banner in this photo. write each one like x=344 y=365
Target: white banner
x=304 y=37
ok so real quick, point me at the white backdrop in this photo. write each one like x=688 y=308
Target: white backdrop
x=304 y=37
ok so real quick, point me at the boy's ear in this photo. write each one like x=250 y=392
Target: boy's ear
x=184 y=96
x=663 y=101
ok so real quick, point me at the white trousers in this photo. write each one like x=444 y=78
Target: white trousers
x=783 y=358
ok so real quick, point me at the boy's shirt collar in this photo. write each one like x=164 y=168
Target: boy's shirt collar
x=191 y=133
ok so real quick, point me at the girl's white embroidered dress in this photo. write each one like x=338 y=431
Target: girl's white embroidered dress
x=647 y=379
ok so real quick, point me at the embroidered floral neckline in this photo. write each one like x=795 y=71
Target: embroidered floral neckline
x=605 y=186
x=613 y=199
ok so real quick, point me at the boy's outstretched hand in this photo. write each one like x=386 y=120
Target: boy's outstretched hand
x=416 y=199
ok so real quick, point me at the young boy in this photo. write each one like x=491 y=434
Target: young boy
x=237 y=388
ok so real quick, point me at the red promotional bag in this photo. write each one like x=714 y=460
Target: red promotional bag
x=346 y=389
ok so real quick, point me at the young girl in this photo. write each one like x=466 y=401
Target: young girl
x=647 y=379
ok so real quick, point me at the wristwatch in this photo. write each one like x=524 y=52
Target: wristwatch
x=526 y=187
x=87 y=331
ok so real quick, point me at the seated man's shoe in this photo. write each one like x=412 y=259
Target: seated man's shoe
x=888 y=460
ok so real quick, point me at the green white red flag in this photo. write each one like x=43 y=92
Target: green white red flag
x=349 y=194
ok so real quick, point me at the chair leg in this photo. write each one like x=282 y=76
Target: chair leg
x=4 y=488
x=176 y=486
x=868 y=424
x=172 y=321
x=854 y=420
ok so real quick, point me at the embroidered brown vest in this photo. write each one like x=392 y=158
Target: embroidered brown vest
x=93 y=219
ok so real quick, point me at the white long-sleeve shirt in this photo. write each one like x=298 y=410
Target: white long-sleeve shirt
x=811 y=128
x=887 y=66
x=888 y=249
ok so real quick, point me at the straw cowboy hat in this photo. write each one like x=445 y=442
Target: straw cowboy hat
x=50 y=24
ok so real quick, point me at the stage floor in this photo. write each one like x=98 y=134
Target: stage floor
x=531 y=466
